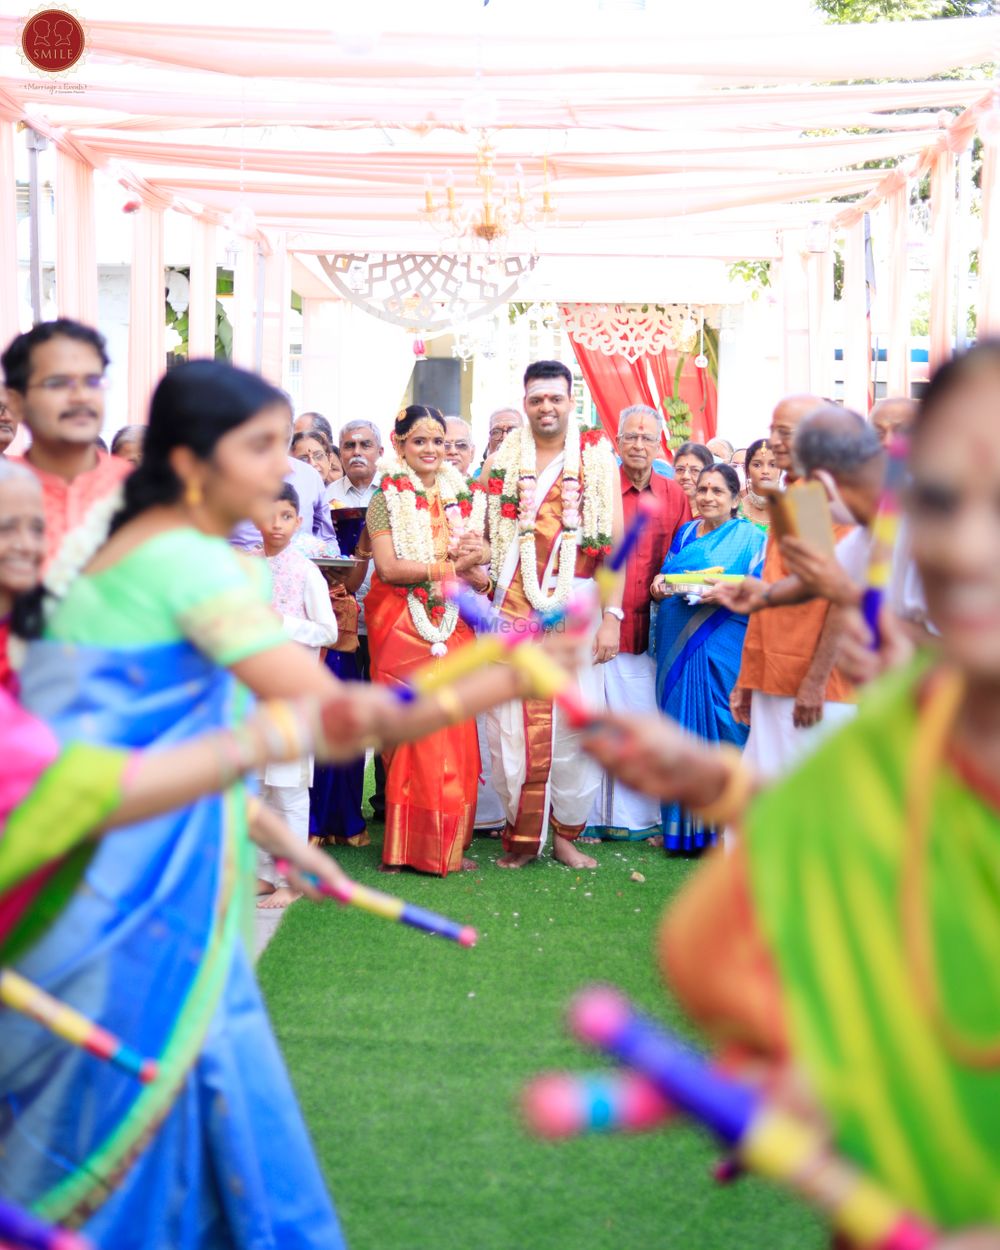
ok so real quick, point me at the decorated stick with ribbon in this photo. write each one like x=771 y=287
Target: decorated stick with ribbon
x=567 y=1104
x=498 y=640
x=66 y=1022
x=766 y=1140
x=492 y=644
x=22 y=1229
x=548 y=680
x=612 y=571
x=885 y=532
x=353 y=894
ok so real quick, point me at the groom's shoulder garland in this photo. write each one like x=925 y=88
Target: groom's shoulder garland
x=587 y=478
x=408 y=506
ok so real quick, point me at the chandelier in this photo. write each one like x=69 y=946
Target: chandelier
x=487 y=224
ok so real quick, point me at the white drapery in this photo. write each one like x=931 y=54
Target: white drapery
x=147 y=313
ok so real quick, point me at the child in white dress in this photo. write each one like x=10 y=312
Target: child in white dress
x=300 y=595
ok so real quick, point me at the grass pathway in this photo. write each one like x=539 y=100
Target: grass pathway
x=408 y=1052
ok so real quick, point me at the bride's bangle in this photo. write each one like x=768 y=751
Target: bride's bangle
x=735 y=794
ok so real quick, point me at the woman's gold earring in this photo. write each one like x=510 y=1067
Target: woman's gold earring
x=192 y=494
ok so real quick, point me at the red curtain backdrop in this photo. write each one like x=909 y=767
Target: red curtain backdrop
x=615 y=383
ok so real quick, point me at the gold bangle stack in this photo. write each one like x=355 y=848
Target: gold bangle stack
x=735 y=794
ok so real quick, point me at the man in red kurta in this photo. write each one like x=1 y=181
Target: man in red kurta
x=55 y=382
x=629 y=679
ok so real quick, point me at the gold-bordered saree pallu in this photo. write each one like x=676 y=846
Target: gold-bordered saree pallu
x=213 y=1152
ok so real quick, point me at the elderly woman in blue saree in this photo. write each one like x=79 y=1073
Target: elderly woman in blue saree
x=698 y=645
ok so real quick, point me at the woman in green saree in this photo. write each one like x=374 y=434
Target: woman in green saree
x=852 y=934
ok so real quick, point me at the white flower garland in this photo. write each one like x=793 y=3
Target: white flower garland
x=81 y=543
x=517 y=459
x=413 y=538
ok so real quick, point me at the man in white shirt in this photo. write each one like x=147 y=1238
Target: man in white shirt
x=359 y=450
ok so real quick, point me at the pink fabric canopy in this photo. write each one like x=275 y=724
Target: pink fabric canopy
x=639 y=125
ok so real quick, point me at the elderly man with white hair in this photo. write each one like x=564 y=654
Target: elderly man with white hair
x=630 y=678
x=458 y=445
x=360 y=448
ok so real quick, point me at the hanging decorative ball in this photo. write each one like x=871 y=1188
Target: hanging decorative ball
x=131 y=206
x=439 y=649
x=701 y=361
x=419 y=349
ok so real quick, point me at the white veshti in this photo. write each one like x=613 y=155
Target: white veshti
x=412 y=538
x=517 y=459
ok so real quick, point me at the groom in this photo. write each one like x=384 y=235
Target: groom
x=539 y=769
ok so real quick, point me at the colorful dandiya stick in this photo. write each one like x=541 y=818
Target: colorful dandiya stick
x=567 y=1104
x=20 y=994
x=389 y=907
x=764 y=1139
x=21 y=1229
x=549 y=681
x=493 y=643
x=885 y=532
x=611 y=573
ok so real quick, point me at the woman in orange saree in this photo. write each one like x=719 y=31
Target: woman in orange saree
x=424 y=530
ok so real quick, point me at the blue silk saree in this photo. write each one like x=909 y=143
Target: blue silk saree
x=213 y=1154
x=698 y=649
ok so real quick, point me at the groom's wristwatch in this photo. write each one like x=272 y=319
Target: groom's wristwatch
x=616 y=612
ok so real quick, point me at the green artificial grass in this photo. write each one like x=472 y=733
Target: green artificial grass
x=408 y=1053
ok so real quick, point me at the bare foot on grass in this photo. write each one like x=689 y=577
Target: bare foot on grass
x=283 y=896
x=566 y=853
x=514 y=861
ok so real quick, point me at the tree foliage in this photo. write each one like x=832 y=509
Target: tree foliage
x=899 y=10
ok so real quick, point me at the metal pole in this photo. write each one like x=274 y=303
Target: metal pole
x=962 y=259
x=258 y=350
x=35 y=143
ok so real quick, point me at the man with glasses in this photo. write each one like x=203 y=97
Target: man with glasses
x=458 y=446
x=629 y=678
x=55 y=379
x=500 y=425
x=360 y=449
